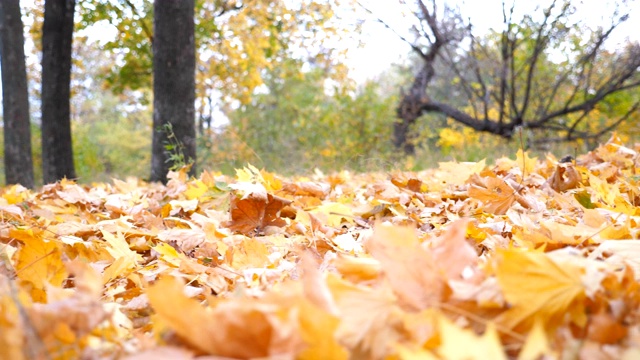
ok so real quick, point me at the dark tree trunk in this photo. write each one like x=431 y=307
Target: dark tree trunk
x=410 y=107
x=57 y=35
x=174 y=60
x=18 y=160
x=402 y=134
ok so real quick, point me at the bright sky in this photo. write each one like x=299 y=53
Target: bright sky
x=383 y=48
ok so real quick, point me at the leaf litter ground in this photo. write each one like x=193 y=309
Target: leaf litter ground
x=526 y=258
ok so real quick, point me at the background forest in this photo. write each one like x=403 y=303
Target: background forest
x=275 y=84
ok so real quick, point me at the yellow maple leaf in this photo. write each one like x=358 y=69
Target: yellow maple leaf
x=462 y=344
x=15 y=194
x=39 y=262
x=119 y=248
x=538 y=287
x=250 y=253
x=271 y=182
x=125 y=259
x=318 y=331
x=195 y=189
x=168 y=253
x=456 y=173
x=192 y=322
x=355 y=268
x=607 y=193
x=537 y=344
x=335 y=213
x=526 y=164
x=249 y=174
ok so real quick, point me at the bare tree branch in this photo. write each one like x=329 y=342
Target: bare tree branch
x=513 y=78
x=415 y=48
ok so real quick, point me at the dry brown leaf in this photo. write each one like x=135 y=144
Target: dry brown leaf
x=366 y=315
x=564 y=178
x=255 y=212
x=239 y=328
x=452 y=252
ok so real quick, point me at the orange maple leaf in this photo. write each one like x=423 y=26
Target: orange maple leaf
x=255 y=212
x=240 y=328
x=494 y=192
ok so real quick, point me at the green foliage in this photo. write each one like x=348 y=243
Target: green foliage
x=111 y=138
x=235 y=41
x=111 y=149
x=304 y=122
x=132 y=44
x=174 y=149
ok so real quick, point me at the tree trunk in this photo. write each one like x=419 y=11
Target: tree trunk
x=410 y=107
x=401 y=135
x=18 y=160
x=57 y=35
x=174 y=60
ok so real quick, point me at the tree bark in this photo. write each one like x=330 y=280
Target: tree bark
x=18 y=159
x=57 y=35
x=174 y=60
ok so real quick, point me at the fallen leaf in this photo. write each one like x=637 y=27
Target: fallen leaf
x=464 y=344
x=411 y=270
x=365 y=315
x=496 y=195
x=538 y=287
x=237 y=328
x=39 y=262
x=564 y=178
x=451 y=251
x=537 y=344
x=256 y=212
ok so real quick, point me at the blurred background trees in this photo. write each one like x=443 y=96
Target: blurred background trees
x=275 y=85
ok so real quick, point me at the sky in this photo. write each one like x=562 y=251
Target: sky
x=383 y=47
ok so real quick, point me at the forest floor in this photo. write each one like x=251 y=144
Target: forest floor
x=526 y=258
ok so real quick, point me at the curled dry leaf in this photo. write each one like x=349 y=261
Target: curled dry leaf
x=564 y=178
